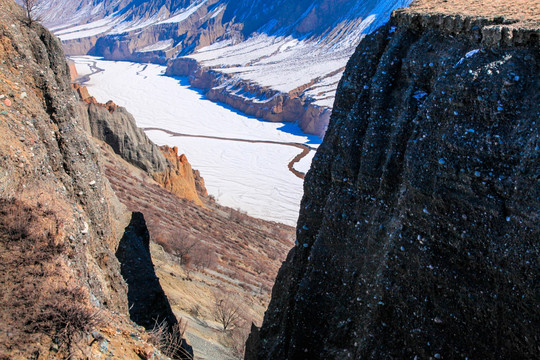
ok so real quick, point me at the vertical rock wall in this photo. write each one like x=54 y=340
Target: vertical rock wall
x=418 y=235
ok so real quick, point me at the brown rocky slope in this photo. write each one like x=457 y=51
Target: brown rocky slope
x=418 y=234
x=62 y=292
x=116 y=126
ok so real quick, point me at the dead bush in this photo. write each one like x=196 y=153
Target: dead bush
x=195 y=310
x=37 y=297
x=236 y=339
x=204 y=257
x=180 y=244
x=226 y=310
x=65 y=315
x=238 y=215
x=170 y=340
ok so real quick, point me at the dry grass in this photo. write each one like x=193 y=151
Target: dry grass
x=232 y=251
x=170 y=341
x=525 y=13
x=233 y=243
x=37 y=297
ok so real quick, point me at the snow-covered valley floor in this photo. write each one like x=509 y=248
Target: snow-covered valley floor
x=250 y=175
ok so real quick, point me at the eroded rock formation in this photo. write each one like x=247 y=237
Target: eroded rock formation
x=418 y=231
x=180 y=179
x=116 y=126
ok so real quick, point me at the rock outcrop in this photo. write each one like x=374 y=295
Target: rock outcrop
x=116 y=126
x=118 y=129
x=180 y=179
x=61 y=221
x=418 y=231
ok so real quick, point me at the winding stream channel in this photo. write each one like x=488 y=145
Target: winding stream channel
x=247 y=163
x=305 y=149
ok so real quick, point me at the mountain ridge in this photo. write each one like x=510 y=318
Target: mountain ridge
x=304 y=44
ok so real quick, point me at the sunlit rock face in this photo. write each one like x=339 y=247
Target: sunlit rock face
x=418 y=231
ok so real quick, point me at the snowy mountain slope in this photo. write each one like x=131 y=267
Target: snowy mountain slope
x=300 y=57
x=255 y=49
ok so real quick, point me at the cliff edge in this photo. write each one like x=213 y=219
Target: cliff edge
x=62 y=292
x=418 y=231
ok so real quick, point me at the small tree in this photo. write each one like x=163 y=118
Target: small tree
x=30 y=7
x=226 y=310
x=182 y=245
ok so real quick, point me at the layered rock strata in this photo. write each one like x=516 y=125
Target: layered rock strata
x=262 y=102
x=418 y=231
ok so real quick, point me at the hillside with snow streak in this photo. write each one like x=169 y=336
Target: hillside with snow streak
x=278 y=60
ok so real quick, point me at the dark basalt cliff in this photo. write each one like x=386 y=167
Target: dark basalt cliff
x=419 y=229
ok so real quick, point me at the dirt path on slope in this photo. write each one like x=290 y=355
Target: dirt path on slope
x=305 y=148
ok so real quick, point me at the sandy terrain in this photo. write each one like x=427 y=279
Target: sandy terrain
x=526 y=13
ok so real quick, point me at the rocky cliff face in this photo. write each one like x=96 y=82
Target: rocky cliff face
x=115 y=126
x=419 y=227
x=61 y=222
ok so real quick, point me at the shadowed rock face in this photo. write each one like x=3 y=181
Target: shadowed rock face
x=301 y=18
x=418 y=231
x=148 y=304
x=118 y=129
x=116 y=126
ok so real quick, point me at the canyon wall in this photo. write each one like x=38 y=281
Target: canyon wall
x=61 y=222
x=115 y=126
x=418 y=231
x=286 y=55
x=253 y=99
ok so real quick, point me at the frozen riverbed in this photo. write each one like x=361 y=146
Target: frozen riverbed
x=243 y=160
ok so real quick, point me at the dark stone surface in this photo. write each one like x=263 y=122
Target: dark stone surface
x=419 y=230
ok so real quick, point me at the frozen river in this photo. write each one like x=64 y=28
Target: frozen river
x=243 y=160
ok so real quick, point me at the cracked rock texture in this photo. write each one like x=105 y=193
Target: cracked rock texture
x=419 y=230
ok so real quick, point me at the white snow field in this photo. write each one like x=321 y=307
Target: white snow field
x=249 y=176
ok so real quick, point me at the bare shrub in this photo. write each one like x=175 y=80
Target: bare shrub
x=181 y=244
x=170 y=340
x=36 y=297
x=236 y=339
x=65 y=315
x=238 y=215
x=164 y=242
x=226 y=310
x=195 y=310
x=259 y=267
x=204 y=258
x=30 y=7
